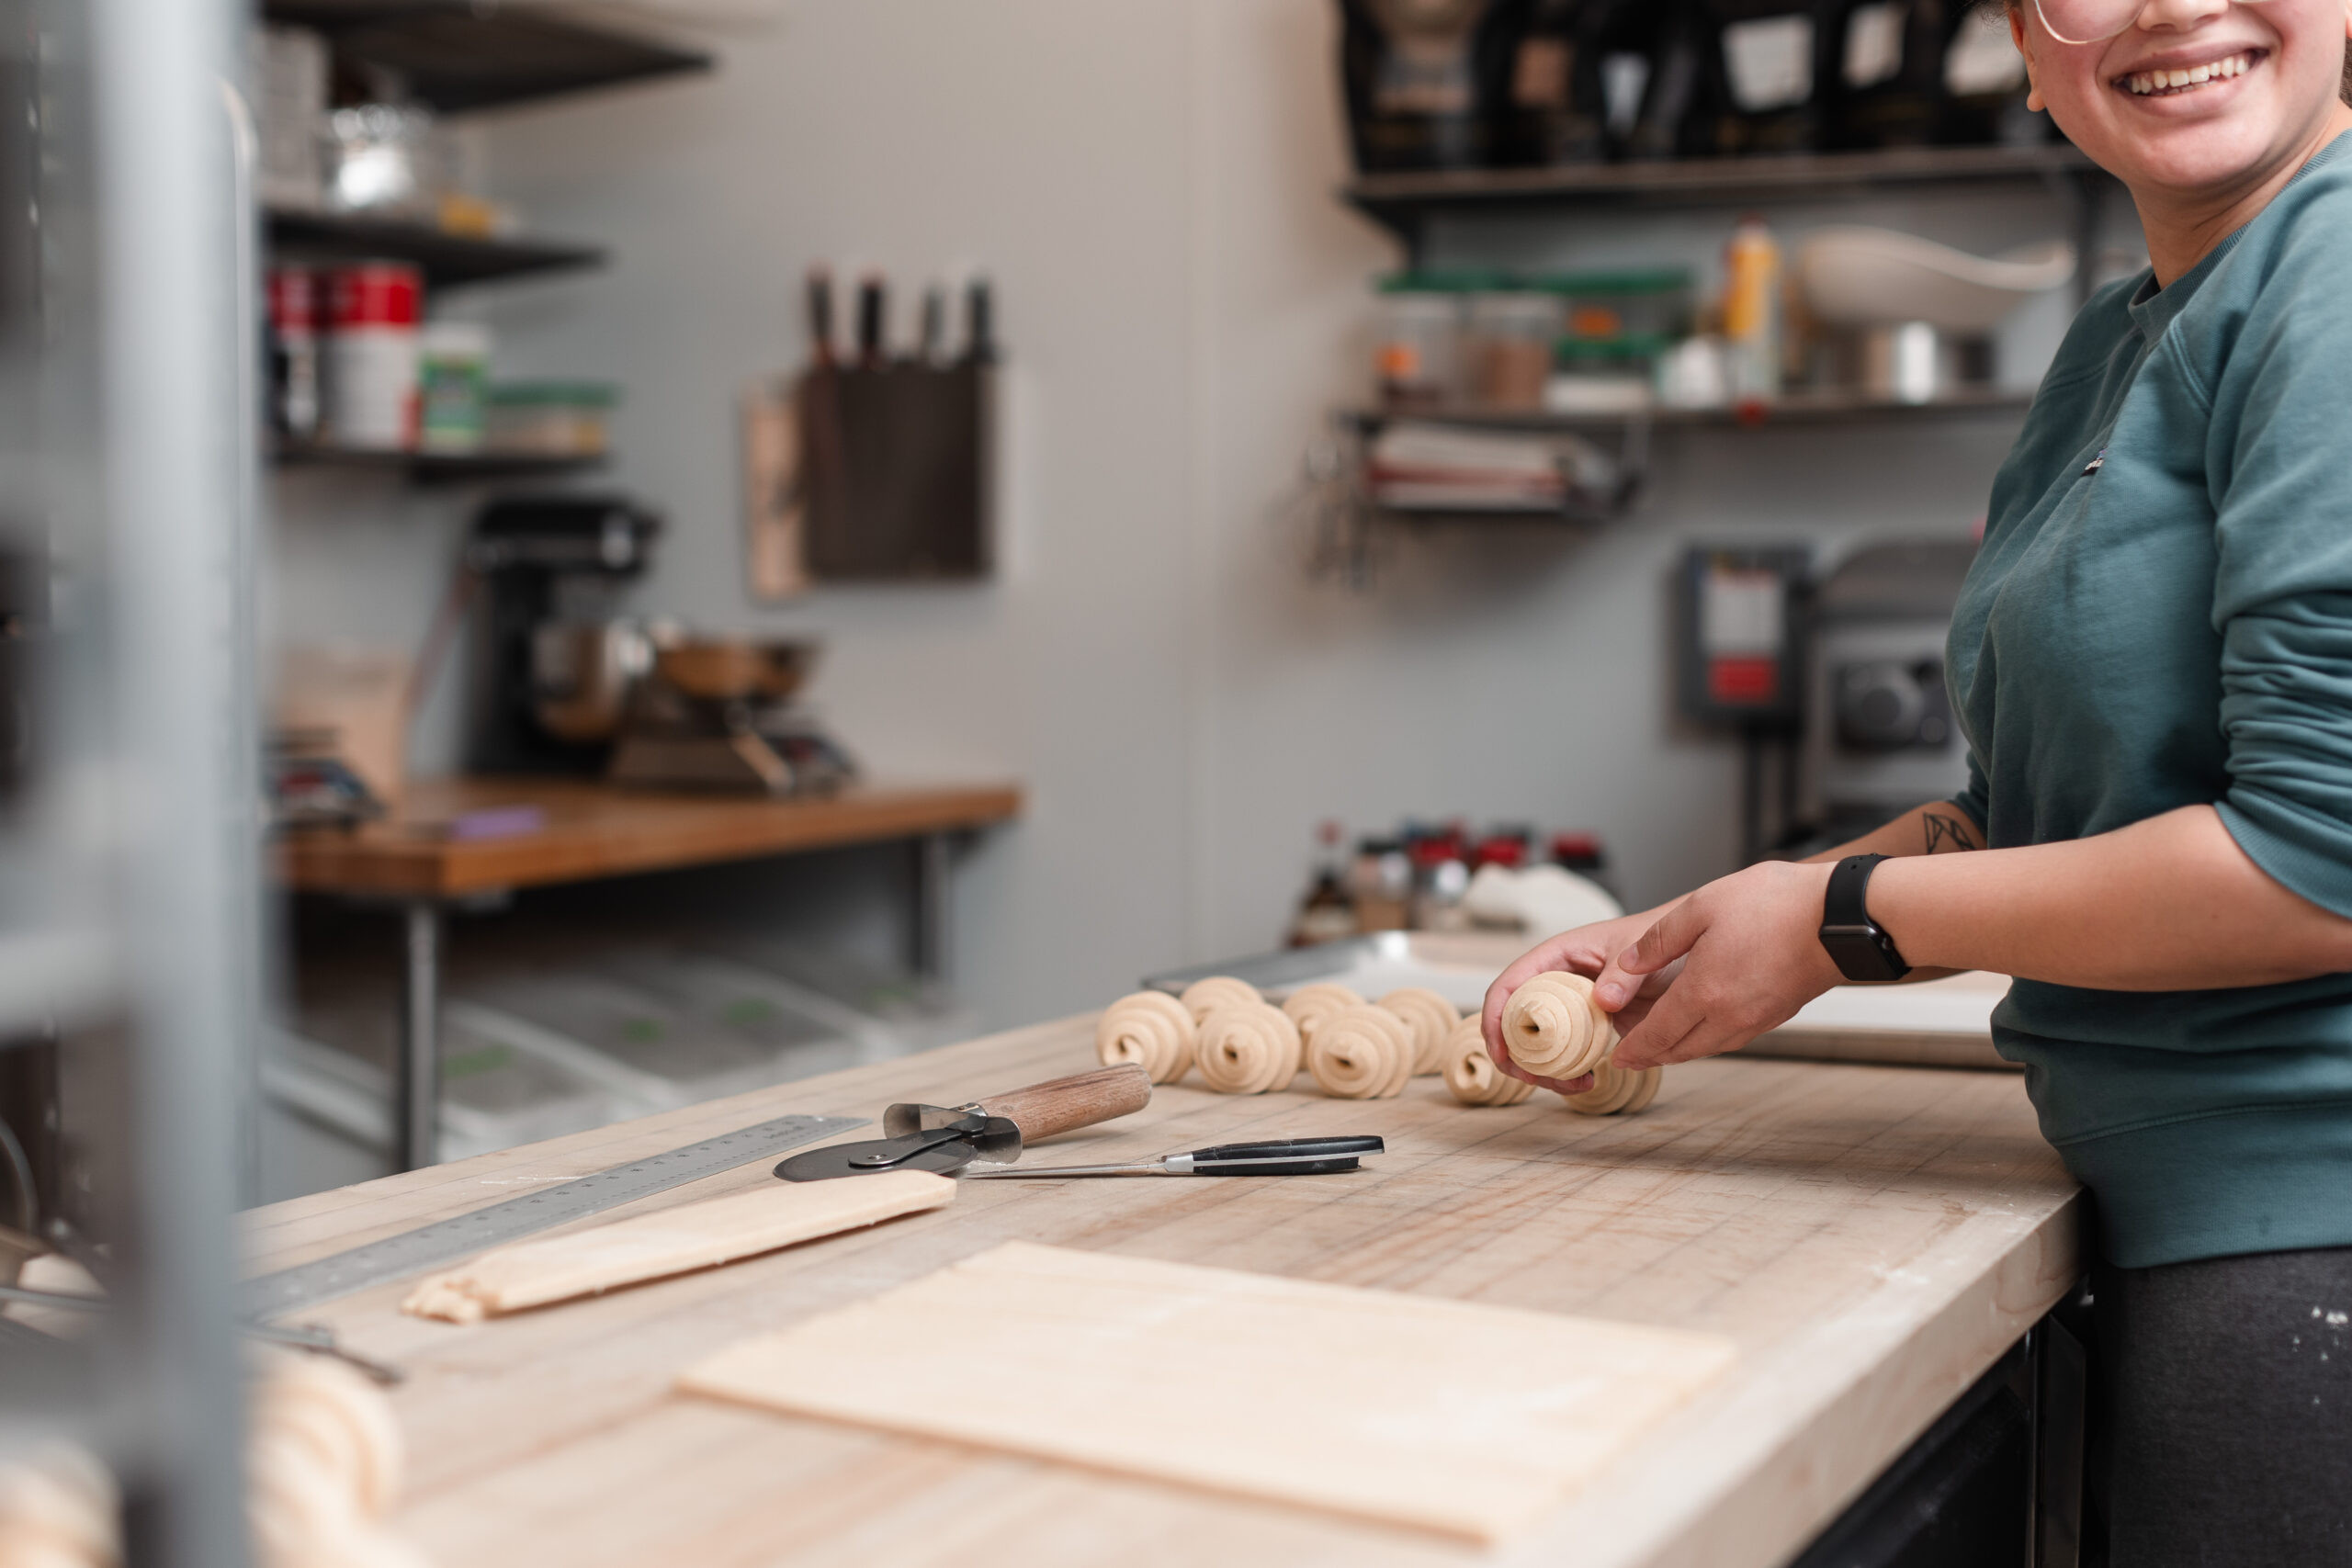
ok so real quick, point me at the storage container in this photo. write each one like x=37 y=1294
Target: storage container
x=556 y=419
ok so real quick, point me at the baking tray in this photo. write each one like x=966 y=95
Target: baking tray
x=1936 y=1023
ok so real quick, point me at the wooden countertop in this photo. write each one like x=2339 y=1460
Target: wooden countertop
x=596 y=830
x=1872 y=1237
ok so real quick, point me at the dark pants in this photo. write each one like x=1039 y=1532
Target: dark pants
x=2222 y=1412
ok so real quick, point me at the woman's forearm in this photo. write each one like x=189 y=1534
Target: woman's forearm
x=2169 y=903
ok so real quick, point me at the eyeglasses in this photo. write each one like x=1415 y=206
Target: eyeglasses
x=2092 y=21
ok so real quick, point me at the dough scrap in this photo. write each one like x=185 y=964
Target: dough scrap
x=1431 y=1019
x=1555 y=1028
x=59 y=1509
x=1361 y=1053
x=1310 y=1005
x=323 y=1465
x=1203 y=997
x=1617 y=1092
x=1248 y=1049
x=670 y=1241
x=1151 y=1028
x=1472 y=1074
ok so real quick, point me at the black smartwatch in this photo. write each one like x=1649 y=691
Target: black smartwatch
x=1859 y=949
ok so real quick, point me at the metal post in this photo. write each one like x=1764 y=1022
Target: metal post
x=928 y=927
x=170 y=298
x=416 y=1088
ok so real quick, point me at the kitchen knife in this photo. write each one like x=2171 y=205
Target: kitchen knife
x=945 y=1138
x=820 y=315
x=1278 y=1156
x=870 y=307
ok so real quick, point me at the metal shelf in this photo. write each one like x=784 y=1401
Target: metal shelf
x=1831 y=406
x=458 y=55
x=438 y=468
x=449 y=260
x=1405 y=204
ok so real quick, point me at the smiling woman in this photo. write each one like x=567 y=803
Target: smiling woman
x=2152 y=661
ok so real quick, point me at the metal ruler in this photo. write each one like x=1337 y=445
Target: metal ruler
x=412 y=1252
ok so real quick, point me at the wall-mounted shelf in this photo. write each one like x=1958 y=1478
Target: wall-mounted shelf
x=1406 y=204
x=1806 y=407
x=447 y=259
x=437 y=467
x=457 y=54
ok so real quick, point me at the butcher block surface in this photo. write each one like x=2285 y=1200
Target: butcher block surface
x=1867 y=1238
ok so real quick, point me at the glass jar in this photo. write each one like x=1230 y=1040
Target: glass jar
x=1511 y=340
x=1417 y=358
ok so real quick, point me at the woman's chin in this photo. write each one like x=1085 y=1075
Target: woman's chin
x=2212 y=153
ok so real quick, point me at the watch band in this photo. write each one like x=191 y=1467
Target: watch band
x=1855 y=943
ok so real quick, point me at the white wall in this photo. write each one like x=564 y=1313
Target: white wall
x=1150 y=183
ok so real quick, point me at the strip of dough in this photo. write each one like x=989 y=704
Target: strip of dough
x=1248 y=1049
x=1617 y=1092
x=1203 y=997
x=1151 y=1028
x=1361 y=1053
x=672 y=1241
x=1555 y=1028
x=1310 y=1005
x=1472 y=1074
x=1431 y=1018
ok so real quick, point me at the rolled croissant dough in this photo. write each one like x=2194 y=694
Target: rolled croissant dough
x=1204 y=997
x=1248 y=1049
x=1472 y=1074
x=671 y=1241
x=1150 y=1028
x=1361 y=1053
x=1309 y=1005
x=1447 y=1416
x=1555 y=1028
x=1431 y=1017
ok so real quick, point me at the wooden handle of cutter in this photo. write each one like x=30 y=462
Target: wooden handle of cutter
x=1081 y=1100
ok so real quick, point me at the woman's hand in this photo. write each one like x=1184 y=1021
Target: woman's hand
x=1585 y=951
x=1750 y=955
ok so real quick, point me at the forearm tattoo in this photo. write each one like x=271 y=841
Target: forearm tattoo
x=1948 y=833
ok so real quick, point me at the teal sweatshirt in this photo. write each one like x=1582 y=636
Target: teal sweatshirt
x=2162 y=616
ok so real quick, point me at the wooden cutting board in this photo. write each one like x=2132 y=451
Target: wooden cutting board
x=1451 y=1416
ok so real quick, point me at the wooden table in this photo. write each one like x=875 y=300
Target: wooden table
x=419 y=859
x=1872 y=1237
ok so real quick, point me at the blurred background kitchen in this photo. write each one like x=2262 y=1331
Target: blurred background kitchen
x=783 y=531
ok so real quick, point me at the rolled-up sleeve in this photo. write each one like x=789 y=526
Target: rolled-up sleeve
x=1973 y=799
x=2279 y=458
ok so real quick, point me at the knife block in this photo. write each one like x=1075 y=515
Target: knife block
x=894 y=470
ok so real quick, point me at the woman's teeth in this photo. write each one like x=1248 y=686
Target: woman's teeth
x=2147 y=82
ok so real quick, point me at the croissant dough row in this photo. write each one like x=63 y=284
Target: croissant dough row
x=1358 y=1050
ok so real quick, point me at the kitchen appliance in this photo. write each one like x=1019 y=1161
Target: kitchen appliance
x=551 y=661
x=945 y=1139
x=716 y=713
x=1880 y=737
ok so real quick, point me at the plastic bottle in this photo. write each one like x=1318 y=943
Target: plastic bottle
x=1752 y=308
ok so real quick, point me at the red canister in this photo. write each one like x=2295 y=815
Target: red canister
x=373 y=309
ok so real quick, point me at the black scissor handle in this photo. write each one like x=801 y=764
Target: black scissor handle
x=1285 y=1157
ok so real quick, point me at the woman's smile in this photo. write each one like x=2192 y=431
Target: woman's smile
x=2170 y=77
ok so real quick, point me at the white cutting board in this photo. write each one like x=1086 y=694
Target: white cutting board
x=1447 y=1415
